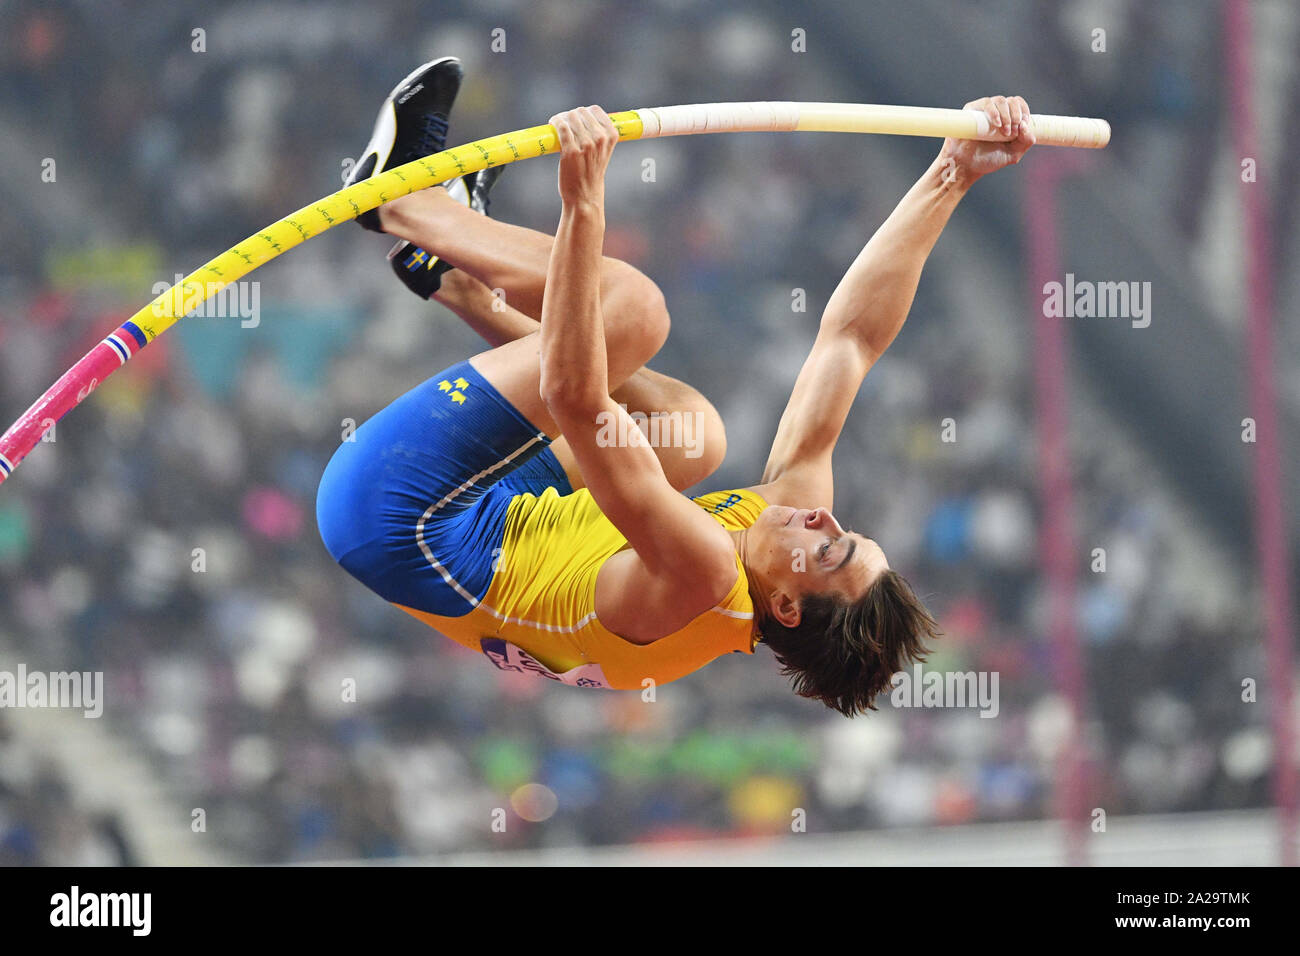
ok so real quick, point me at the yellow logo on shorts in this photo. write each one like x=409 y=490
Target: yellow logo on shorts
x=456 y=387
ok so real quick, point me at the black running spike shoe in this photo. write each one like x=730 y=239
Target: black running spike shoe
x=412 y=123
x=421 y=272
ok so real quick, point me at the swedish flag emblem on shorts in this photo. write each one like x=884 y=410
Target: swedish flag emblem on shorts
x=455 y=389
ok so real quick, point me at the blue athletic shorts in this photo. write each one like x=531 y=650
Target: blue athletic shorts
x=414 y=504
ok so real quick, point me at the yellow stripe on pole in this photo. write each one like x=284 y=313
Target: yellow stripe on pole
x=311 y=220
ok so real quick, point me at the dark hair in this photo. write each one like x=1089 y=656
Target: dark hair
x=844 y=653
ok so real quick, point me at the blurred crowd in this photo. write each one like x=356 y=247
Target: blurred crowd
x=167 y=534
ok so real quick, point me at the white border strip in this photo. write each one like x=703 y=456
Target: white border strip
x=447 y=499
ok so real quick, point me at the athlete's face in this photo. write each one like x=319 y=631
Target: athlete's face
x=797 y=552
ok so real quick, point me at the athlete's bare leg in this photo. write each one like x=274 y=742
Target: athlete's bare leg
x=515 y=260
x=489 y=315
x=499 y=254
x=692 y=439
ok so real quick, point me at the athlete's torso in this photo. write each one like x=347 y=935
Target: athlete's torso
x=539 y=612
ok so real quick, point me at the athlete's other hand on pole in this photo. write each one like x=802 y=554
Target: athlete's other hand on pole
x=587 y=139
x=1008 y=115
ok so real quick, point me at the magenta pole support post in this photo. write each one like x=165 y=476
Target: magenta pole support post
x=1057 y=545
x=1269 y=501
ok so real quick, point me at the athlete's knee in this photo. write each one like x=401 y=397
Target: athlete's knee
x=648 y=311
x=637 y=304
x=692 y=440
x=706 y=446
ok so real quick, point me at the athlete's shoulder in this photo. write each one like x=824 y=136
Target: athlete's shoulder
x=797 y=487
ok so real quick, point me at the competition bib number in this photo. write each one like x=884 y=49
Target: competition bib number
x=507 y=657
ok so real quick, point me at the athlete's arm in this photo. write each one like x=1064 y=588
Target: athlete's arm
x=682 y=552
x=869 y=306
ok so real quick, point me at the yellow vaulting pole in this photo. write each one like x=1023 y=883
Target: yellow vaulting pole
x=310 y=221
x=162 y=313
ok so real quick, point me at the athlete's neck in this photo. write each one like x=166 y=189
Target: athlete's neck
x=758 y=588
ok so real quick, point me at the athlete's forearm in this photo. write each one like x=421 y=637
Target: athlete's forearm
x=575 y=368
x=872 y=300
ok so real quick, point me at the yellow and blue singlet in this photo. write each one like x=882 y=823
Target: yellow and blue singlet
x=451 y=505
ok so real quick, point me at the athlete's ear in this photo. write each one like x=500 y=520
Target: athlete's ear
x=785 y=609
